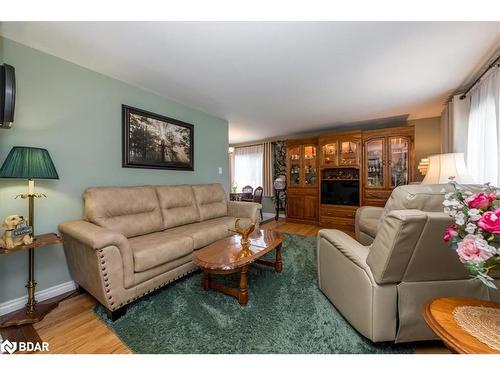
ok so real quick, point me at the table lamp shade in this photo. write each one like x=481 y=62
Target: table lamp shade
x=28 y=163
x=443 y=166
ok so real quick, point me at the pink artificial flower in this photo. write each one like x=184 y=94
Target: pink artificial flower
x=468 y=250
x=480 y=200
x=449 y=232
x=490 y=221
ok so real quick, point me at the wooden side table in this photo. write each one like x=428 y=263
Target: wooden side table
x=438 y=314
x=40 y=309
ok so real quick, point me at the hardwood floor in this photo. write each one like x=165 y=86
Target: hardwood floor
x=286 y=227
x=73 y=328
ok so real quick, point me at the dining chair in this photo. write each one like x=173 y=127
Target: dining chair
x=257 y=198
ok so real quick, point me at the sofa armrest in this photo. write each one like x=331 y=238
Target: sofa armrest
x=85 y=243
x=369 y=212
x=366 y=216
x=248 y=210
x=93 y=235
x=347 y=245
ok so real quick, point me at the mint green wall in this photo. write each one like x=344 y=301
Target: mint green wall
x=76 y=114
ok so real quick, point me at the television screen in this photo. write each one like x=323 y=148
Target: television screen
x=340 y=192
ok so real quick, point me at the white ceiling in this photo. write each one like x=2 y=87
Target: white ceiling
x=272 y=79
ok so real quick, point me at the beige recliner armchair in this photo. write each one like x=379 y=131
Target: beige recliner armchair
x=381 y=286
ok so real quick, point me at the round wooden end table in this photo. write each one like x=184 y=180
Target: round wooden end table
x=438 y=314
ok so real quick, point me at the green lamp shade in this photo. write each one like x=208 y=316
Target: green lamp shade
x=28 y=163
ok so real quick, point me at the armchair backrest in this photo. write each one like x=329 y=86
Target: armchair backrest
x=409 y=247
x=393 y=246
x=427 y=198
x=432 y=257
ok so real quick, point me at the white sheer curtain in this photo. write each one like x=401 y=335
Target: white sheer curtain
x=455 y=125
x=247 y=169
x=483 y=141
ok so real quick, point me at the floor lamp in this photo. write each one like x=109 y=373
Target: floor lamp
x=30 y=163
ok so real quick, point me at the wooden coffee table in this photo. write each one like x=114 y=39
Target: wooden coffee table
x=225 y=257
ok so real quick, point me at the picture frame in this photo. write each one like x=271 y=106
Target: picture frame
x=154 y=141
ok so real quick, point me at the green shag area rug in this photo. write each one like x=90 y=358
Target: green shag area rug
x=286 y=313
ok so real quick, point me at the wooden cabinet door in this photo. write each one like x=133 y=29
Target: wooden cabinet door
x=348 y=152
x=329 y=154
x=398 y=161
x=294 y=206
x=375 y=171
x=294 y=165
x=309 y=165
x=310 y=207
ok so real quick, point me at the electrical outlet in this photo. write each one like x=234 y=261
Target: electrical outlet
x=220 y=170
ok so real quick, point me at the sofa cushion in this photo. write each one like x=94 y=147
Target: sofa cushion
x=206 y=232
x=211 y=201
x=132 y=211
x=178 y=205
x=155 y=249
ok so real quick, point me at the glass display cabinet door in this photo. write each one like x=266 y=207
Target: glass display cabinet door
x=310 y=165
x=330 y=154
x=294 y=155
x=399 y=161
x=375 y=163
x=348 y=153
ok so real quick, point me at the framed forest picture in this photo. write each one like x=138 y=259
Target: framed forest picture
x=155 y=141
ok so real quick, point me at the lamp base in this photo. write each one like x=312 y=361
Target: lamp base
x=21 y=317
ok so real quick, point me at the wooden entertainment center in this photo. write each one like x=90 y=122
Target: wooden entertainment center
x=330 y=176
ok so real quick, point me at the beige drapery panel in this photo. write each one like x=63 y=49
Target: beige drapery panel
x=268 y=170
x=446 y=131
x=454 y=125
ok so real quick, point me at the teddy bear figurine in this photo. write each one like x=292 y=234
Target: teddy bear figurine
x=10 y=239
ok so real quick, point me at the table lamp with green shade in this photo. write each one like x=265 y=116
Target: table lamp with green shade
x=29 y=163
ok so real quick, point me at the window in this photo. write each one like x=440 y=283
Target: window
x=247 y=167
x=484 y=130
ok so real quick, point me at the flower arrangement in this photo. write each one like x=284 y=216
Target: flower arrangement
x=475 y=236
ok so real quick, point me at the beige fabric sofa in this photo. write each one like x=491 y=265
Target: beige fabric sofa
x=134 y=240
x=380 y=286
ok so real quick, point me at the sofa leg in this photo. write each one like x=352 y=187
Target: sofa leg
x=116 y=314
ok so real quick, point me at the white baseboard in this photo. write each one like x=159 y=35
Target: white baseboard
x=42 y=295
